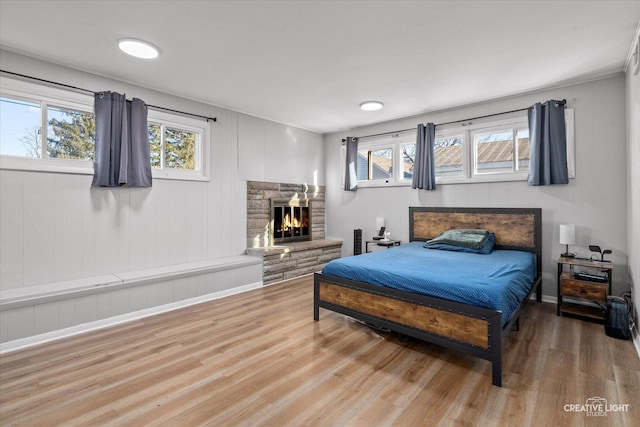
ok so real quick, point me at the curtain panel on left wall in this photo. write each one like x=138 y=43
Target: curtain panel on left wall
x=351 y=174
x=123 y=154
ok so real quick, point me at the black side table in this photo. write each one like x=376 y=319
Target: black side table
x=388 y=244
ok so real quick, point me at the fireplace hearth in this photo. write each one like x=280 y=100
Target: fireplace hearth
x=290 y=220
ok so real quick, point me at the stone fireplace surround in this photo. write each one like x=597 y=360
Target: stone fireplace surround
x=286 y=261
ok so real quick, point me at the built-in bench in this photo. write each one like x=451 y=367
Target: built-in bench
x=41 y=294
x=44 y=309
x=296 y=259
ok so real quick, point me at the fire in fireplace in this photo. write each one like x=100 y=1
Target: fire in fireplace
x=290 y=220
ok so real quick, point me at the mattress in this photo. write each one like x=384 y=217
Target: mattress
x=498 y=281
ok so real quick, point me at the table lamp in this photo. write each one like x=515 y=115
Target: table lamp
x=567 y=237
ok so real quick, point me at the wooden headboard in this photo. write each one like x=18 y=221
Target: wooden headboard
x=515 y=228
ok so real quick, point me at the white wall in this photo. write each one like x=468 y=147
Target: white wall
x=55 y=227
x=633 y=193
x=273 y=152
x=596 y=200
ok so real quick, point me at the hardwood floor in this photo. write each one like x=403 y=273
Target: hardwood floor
x=258 y=358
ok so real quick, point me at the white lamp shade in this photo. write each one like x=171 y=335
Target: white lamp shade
x=567 y=234
x=379 y=223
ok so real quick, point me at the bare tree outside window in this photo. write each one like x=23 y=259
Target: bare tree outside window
x=408 y=160
x=31 y=142
x=20 y=121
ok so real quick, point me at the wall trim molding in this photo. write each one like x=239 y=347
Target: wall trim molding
x=34 y=340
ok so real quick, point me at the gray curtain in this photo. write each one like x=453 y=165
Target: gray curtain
x=424 y=169
x=123 y=155
x=548 y=139
x=351 y=167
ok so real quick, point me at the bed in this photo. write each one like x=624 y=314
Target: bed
x=461 y=323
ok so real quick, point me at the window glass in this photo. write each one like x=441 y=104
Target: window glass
x=375 y=164
x=449 y=155
x=362 y=165
x=155 y=132
x=70 y=134
x=494 y=152
x=20 y=131
x=524 y=149
x=408 y=160
x=57 y=127
x=180 y=149
x=381 y=163
x=489 y=151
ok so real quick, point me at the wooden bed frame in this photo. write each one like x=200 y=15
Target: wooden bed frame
x=471 y=330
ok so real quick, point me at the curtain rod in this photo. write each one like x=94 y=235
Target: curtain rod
x=215 y=119
x=563 y=102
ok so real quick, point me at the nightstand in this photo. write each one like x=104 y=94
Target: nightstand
x=583 y=292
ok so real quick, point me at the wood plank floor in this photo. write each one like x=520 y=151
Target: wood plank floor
x=258 y=358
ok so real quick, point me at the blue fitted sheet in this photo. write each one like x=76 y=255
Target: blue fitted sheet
x=498 y=281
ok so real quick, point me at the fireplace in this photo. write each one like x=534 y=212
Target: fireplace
x=290 y=220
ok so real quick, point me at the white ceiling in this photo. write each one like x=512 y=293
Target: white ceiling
x=311 y=63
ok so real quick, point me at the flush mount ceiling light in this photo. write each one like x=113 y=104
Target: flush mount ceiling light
x=371 y=105
x=138 y=48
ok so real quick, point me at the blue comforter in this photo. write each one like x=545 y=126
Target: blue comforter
x=498 y=281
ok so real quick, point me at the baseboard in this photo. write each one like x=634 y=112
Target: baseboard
x=31 y=341
x=549 y=299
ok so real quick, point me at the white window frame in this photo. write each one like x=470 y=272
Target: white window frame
x=466 y=129
x=46 y=96
x=469 y=167
x=72 y=100
x=472 y=140
x=201 y=171
x=395 y=142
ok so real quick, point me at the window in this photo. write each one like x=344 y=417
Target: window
x=45 y=127
x=375 y=164
x=50 y=129
x=70 y=134
x=449 y=156
x=408 y=160
x=496 y=150
x=487 y=151
x=176 y=148
x=386 y=161
x=22 y=139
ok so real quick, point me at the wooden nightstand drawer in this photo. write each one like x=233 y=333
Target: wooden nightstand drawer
x=582 y=293
x=584 y=290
